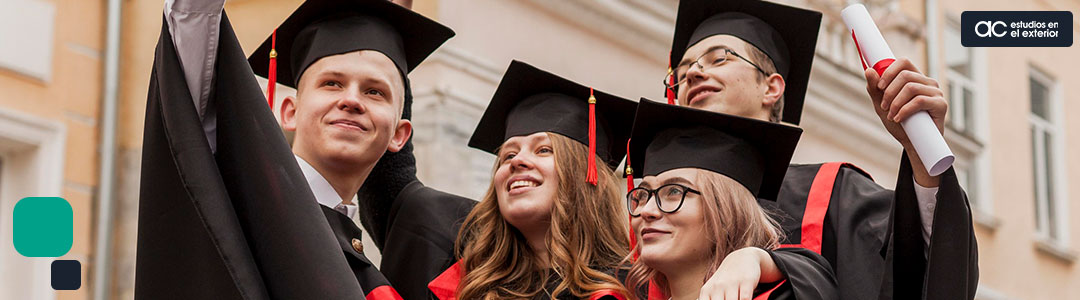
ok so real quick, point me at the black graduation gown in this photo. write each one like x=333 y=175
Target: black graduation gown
x=860 y=222
x=421 y=230
x=241 y=224
x=371 y=280
x=952 y=269
x=809 y=276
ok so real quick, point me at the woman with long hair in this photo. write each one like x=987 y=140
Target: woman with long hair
x=696 y=213
x=551 y=225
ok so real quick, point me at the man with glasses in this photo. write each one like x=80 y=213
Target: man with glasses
x=752 y=58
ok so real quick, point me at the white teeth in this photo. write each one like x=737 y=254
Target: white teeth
x=522 y=183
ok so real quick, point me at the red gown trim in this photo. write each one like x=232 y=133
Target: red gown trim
x=817 y=204
x=383 y=292
x=445 y=286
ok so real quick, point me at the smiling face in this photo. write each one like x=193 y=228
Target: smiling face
x=347 y=110
x=723 y=218
x=677 y=238
x=734 y=87
x=523 y=222
x=526 y=181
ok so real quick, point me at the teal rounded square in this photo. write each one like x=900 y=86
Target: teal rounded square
x=42 y=226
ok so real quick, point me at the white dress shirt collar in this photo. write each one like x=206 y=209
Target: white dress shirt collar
x=324 y=192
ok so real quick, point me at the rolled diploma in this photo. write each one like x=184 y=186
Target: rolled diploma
x=924 y=135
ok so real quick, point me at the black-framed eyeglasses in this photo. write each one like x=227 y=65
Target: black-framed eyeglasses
x=711 y=59
x=669 y=197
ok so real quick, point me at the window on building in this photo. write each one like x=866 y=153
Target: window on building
x=961 y=82
x=1045 y=137
x=964 y=91
x=26 y=38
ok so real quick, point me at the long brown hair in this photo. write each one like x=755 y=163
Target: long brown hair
x=733 y=220
x=587 y=235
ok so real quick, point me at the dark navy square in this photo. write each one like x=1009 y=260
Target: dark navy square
x=66 y=275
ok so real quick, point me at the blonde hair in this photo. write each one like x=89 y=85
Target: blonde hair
x=587 y=231
x=733 y=220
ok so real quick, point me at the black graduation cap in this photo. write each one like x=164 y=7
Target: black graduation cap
x=320 y=28
x=529 y=100
x=788 y=35
x=754 y=153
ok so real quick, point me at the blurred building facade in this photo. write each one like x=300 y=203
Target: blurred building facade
x=1007 y=120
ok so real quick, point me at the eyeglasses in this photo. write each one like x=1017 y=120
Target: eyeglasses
x=669 y=197
x=711 y=59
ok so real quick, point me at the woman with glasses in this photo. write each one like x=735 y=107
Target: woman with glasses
x=696 y=215
x=550 y=225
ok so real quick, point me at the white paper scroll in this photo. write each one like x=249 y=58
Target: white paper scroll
x=924 y=135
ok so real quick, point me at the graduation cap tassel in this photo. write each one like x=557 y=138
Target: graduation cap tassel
x=272 y=72
x=630 y=186
x=629 y=171
x=591 y=176
x=670 y=91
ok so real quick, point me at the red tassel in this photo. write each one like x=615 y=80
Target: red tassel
x=629 y=171
x=630 y=186
x=591 y=176
x=272 y=76
x=670 y=92
x=633 y=239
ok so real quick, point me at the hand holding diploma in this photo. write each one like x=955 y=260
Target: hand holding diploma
x=911 y=105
